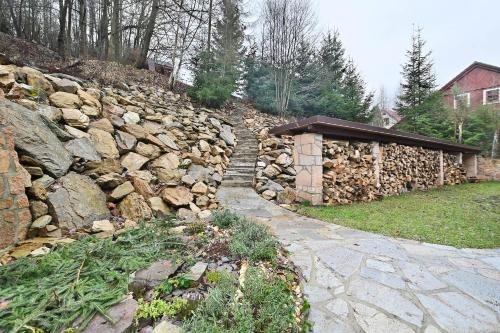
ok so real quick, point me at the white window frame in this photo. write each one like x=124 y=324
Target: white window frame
x=464 y=94
x=490 y=89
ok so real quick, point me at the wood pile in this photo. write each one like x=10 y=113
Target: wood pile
x=406 y=168
x=454 y=173
x=348 y=172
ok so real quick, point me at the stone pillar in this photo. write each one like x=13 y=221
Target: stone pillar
x=459 y=158
x=470 y=164
x=15 y=216
x=441 y=169
x=308 y=161
x=377 y=160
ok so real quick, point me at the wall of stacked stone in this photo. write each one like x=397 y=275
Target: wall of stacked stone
x=348 y=172
x=15 y=216
x=454 y=172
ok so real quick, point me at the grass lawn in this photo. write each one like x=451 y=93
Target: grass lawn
x=466 y=215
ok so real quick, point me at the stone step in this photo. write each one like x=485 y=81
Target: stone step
x=237 y=183
x=237 y=174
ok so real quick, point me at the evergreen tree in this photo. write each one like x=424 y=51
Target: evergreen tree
x=218 y=70
x=332 y=61
x=356 y=101
x=418 y=80
x=258 y=82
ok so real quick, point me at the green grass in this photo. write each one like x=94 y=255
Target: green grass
x=78 y=280
x=466 y=215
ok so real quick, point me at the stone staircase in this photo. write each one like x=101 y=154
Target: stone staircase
x=241 y=169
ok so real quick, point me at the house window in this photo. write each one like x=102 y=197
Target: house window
x=491 y=96
x=465 y=97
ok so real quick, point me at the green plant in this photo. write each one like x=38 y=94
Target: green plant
x=158 y=308
x=265 y=306
x=252 y=241
x=214 y=277
x=225 y=219
x=195 y=228
x=167 y=286
x=80 y=279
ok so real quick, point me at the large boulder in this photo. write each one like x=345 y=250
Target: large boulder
x=77 y=202
x=34 y=138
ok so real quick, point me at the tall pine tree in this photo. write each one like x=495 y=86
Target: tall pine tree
x=218 y=70
x=418 y=82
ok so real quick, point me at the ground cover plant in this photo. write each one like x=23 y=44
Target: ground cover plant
x=79 y=279
x=464 y=215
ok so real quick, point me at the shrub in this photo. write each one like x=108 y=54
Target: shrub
x=252 y=241
x=225 y=218
x=266 y=306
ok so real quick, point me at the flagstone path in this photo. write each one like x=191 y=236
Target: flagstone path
x=363 y=282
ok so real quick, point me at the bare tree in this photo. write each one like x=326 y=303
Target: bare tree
x=141 y=61
x=285 y=24
x=460 y=112
x=82 y=40
x=61 y=37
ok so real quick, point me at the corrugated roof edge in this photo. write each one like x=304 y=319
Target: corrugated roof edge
x=348 y=129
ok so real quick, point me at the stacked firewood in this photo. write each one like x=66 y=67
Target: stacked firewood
x=348 y=172
x=406 y=168
x=454 y=173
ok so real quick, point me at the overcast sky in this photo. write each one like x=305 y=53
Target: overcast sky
x=376 y=34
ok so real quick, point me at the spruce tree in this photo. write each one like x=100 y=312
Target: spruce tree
x=218 y=70
x=356 y=101
x=418 y=81
x=332 y=59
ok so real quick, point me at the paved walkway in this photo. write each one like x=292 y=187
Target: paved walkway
x=363 y=282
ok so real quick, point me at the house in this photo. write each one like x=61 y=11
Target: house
x=390 y=118
x=386 y=118
x=479 y=84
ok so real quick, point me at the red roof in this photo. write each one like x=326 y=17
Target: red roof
x=474 y=65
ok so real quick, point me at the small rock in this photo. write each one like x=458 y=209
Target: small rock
x=103 y=226
x=196 y=272
x=41 y=222
x=199 y=188
x=110 y=180
x=131 y=118
x=135 y=207
x=167 y=327
x=132 y=161
x=158 y=206
x=177 y=196
x=122 y=191
x=268 y=194
x=155 y=274
x=65 y=100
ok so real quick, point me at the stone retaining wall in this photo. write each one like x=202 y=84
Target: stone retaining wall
x=15 y=216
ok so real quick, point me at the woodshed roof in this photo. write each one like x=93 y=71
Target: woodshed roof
x=348 y=130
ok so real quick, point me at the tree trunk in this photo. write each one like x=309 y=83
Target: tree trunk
x=115 y=31
x=61 y=37
x=82 y=41
x=494 y=145
x=103 y=32
x=141 y=61
x=70 y=24
x=460 y=132
x=209 y=38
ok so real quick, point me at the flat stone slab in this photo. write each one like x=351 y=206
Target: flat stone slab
x=358 y=281
x=122 y=315
x=155 y=274
x=452 y=311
